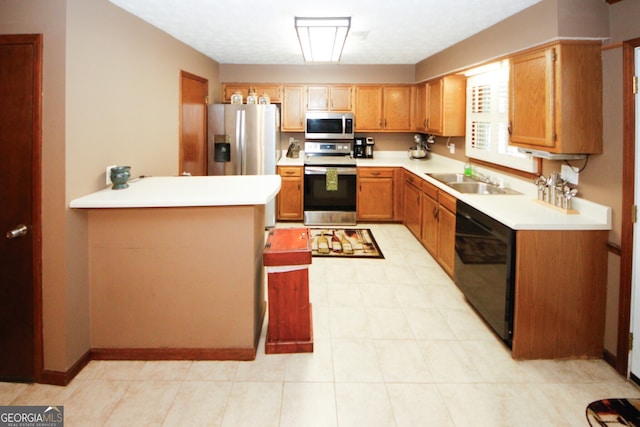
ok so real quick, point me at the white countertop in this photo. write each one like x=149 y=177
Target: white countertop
x=183 y=191
x=519 y=212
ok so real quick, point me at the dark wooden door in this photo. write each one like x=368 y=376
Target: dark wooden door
x=193 y=124
x=20 y=88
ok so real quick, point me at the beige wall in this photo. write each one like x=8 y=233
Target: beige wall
x=317 y=73
x=111 y=92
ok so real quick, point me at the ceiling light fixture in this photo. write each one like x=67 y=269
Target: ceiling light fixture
x=322 y=39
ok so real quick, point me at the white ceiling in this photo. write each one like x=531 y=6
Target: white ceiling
x=262 y=32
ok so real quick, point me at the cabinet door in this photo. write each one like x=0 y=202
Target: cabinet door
x=420 y=120
x=412 y=207
x=434 y=107
x=289 y=201
x=532 y=98
x=453 y=106
x=446 y=239
x=368 y=111
x=429 y=234
x=340 y=98
x=375 y=194
x=318 y=98
x=229 y=89
x=293 y=108
x=397 y=101
x=273 y=91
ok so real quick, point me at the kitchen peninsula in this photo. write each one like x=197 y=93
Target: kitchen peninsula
x=176 y=268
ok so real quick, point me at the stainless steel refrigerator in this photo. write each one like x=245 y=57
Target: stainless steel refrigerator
x=244 y=140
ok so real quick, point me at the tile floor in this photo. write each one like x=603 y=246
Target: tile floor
x=395 y=345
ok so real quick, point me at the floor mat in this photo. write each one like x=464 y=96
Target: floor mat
x=614 y=412
x=344 y=242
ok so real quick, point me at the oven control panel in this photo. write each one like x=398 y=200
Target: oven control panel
x=328 y=148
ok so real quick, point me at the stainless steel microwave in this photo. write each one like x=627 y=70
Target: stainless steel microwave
x=329 y=126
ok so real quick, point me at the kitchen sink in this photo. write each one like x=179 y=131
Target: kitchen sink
x=476 y=188
x=451 y=177
x=469 y=185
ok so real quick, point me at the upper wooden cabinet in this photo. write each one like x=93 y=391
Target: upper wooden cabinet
x=273 y=90
x=397 y=108
x=368 y=114
x=382 y=108
x=293 y=108
x=555 y=100
x=441 y=106
x=329 y=98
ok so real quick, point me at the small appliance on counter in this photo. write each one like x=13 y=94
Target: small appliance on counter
x=368 y=151
x=421 y=150
x=359 y=147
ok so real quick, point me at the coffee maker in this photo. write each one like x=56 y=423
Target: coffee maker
x=359 y=147
x=368 y=151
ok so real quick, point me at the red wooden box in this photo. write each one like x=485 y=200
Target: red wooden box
x=287 y=255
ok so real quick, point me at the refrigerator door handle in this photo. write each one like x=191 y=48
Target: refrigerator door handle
x=243 y=143
x=238 y=158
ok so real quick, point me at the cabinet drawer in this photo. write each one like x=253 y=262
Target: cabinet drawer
x=375 y=173
x=447 y=200
x=412 y=179
x=289 y=171
x=430 y=190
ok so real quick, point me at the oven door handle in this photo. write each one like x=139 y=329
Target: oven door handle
x=322 y=170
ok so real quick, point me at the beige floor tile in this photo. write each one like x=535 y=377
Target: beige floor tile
x=428 y=324
x=144 y=403
x=266 y=367
x=253 y=404
x=176 y=370
x=311 y=367
x=364 y=405
x=355 y=360
x=93 y=401
x=43 y=394
x=499 y=405
x=308 y=404
x=448 y=362
x=349 y=322
x=388 y=323
x=113 y=369
x=213 y=370
x=199 y=403
x=418 y=405
x=402 y=361
x=10 y=391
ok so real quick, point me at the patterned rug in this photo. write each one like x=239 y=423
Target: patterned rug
x=344 y=242
x=614 y=412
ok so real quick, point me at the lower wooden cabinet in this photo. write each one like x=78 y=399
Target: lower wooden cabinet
x=412 y=204
x=446 y=231
x=376 y=194
x=289 y=200
x=430 y=214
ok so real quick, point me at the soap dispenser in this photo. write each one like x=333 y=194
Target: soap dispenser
x=468 y=171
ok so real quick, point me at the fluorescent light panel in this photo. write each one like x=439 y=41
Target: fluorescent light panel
x=322 y=39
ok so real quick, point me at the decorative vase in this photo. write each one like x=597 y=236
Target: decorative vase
x=119 y=177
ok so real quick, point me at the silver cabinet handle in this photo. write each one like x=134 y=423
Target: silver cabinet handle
x=19 y=231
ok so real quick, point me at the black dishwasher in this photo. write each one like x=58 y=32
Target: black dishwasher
x=485 y=267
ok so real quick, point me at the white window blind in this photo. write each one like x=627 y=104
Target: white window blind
x=487 y=136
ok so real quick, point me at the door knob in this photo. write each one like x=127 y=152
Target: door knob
x=19 y=231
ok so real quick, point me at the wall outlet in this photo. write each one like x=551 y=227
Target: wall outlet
x=452 y=148
x=108 y=174
x=569 y=174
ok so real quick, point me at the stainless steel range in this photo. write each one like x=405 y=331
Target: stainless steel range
x=329 y=183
